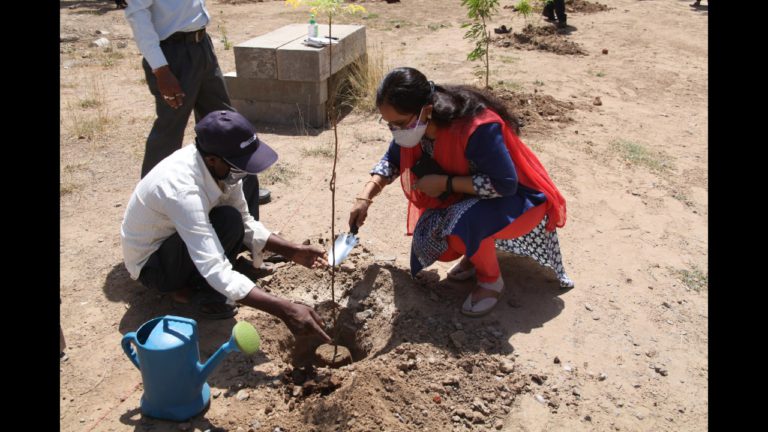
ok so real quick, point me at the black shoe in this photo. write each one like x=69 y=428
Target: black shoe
x=562 y=25
x=264 y=196
x=549 y=18
x=502 y=30
x=276 y=258
x=210 y=304
x=216 y=311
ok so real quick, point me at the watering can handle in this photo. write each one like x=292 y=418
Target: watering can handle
x=180 y=319
x=128 y=348
x=192 y=323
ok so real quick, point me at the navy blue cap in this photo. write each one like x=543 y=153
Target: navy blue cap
x=231 y=136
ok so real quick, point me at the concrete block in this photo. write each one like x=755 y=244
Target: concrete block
x=298 y=62
x=353 y=45
x=256 y=58
x=269 y=90
x=282 y=113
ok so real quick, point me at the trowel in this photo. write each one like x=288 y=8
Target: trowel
x=343 y=246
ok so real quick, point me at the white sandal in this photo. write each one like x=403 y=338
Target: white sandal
x=482 y=307
x=459 y=274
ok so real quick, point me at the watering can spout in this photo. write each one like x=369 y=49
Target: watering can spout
x=244 y=339
x=206 y=368
x=166 y=351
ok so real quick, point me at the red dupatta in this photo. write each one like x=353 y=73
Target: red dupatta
x=450 y=146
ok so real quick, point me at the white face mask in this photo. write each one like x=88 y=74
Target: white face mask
x=409 y=137
x=234 y=176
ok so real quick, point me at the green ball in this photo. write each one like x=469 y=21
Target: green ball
x=246 y=337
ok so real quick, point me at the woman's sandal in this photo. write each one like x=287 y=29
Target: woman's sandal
x=459 y=271
x=485 y=305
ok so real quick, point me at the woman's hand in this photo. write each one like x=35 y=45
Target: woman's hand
x=432 y=184
x=359 y=213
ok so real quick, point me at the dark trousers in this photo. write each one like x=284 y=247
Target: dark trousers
x=171 y=268
x=555 y=8
x=251 y=192
x=196 y=68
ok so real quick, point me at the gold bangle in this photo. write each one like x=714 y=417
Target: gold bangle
x=370 y=201
x=376 y=183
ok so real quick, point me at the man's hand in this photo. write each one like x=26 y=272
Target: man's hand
x=305 y=255
x=298 y=317
x=432 y=184
x=169 y=87
x=310 y=256
x=303 y=320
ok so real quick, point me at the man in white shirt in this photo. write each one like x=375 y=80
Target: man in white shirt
x=187 y=220
x=182 y=73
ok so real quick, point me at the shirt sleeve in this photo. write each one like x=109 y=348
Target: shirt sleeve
x=495 y=174
x=140 y=18
x=256 y=234
x=389 y=165
x=187 y=210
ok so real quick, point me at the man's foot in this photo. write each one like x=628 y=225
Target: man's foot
x=483 y=299
x=562 y=25
x=184 y=295
x=549 y=18
x=462 y=270
x=216 y=311
x=209 y=304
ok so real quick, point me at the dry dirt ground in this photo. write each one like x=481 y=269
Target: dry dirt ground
x=623 y=134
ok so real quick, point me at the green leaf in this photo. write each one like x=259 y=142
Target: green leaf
x=524 y=8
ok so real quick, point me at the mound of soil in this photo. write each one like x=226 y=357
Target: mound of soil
x=536 y=111
x=583 y=6
x=543 y=38
x=417 y=363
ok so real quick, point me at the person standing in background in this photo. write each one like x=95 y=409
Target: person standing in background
x=182 y=73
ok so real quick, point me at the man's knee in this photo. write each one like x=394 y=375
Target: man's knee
x=152 y=276
x=227 y=220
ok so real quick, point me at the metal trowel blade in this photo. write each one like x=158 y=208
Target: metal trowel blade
x=343 y=245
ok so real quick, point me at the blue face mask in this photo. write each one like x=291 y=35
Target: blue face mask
x=410 y=136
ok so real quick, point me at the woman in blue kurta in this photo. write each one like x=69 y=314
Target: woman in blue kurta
x=472 y=185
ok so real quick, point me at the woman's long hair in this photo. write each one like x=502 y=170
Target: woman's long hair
x=407 y=90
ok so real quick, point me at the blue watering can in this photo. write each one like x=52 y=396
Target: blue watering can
x=167 y=354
